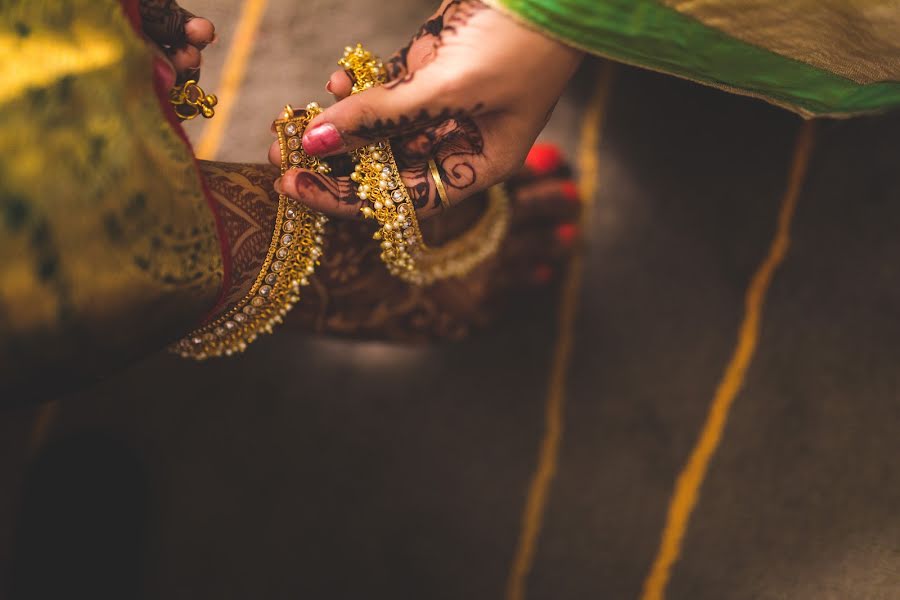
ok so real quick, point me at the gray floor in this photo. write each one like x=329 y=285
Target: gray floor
x=225 y=480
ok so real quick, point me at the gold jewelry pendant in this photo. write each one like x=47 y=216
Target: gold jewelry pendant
x=190 y=100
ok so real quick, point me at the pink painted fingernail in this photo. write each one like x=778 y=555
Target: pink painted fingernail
x=328 y=87
x=277 y=186
x=322 y=139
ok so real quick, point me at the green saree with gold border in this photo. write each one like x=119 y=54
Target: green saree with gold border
x=816 y=57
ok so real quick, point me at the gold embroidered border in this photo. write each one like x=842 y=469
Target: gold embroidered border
x=857 y=39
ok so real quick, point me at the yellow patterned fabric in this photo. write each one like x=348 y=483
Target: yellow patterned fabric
x=108 y=246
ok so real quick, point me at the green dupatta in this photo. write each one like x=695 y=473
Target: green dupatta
x=817 y=58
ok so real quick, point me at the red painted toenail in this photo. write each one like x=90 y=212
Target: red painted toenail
x=544 y=159
x=542 y=274
x=567 y=233
x=570 y=191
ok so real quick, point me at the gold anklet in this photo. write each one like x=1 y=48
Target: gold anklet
x=292 y=257
x=379 y=184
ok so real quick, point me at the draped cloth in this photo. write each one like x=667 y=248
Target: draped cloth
x=109 y=245
x=815 y=57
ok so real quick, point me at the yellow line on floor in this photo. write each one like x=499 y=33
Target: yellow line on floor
x=233 y=71
x=539 y=489
x=687 y=487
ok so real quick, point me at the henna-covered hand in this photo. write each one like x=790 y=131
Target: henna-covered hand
x=181 y=35
x=455 y=145
x=397 y=65
x=453 y=141
x=471 y=91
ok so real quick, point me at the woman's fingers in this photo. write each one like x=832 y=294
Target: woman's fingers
x=173 y=27
x=340 y=84
x=332 y=195
x=179 y=33
x=547 y=199
x=200 y=32
x=340 y=165
x=275 y=153
x=163 y=21
x=460 y=162
x=428 y=82
x=381 y=112
x=186 y=61
x=336 y=195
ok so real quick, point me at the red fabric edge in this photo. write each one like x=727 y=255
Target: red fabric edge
x=132 y=13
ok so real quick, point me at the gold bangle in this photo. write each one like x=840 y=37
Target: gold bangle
x=291 y=259
x=404 y=252
x=438 y=184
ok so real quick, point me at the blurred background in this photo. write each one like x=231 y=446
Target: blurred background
x=566 y=453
